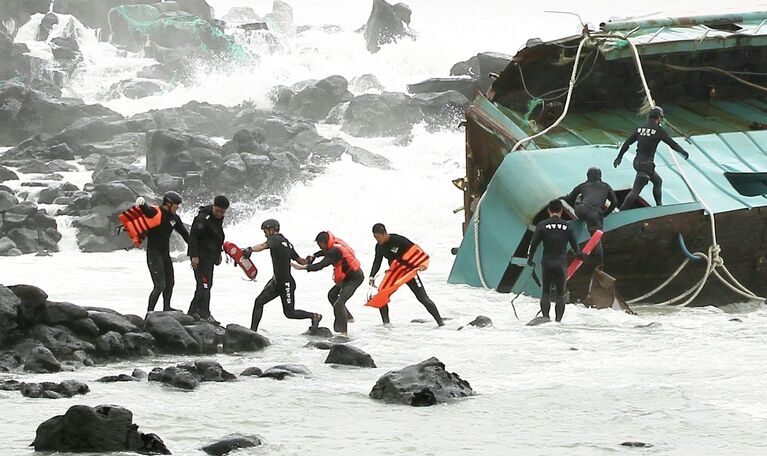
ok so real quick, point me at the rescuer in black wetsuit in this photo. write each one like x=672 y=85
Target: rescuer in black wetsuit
x=594 y=194
x=555 y=234
x=647 y=137
x=158 y=247
x=393 y=246
x=206 y=240
x=282 y=285
x=347 y=275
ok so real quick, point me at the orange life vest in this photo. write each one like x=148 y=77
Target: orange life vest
x=348 y=262
x=411 y=260
x=137 y=224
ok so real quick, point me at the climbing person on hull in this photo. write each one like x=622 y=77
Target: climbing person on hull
x=395 y=247
x=555 y=234
x=347 y=275
x=593 y=195
x=162 y=221
x=206 y=240
x=647 y=138
x=282 y=285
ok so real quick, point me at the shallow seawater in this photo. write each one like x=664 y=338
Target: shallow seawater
x=687 y=381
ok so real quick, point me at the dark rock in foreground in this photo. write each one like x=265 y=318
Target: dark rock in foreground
x=479 y=322
x=423 y=384
x=286 y=370
x=349 y=356
x=104 y=428
x=50 y=390
x=251 y=372
x=230 y=443
x=189 y=376
x=239 y=338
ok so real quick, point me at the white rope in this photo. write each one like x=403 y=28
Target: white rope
x=713 y=259
x=573 y=77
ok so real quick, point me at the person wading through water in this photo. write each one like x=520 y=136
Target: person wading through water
x=347 y=275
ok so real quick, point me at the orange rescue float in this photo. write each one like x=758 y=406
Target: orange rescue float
x=401 y=271
x=137 y=224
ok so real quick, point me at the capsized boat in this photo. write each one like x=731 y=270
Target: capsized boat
x=562 y=106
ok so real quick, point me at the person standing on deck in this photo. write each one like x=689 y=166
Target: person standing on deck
x=594 y=194
x=647 y=138
x=555 y=234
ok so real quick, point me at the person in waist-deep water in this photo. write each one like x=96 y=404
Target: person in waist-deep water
x=594 y=194
x=647 y=137
x=392 y=247
x=555 y=234
x=282 y=285
x=347 y=275
x=158 y=246
x=206 y=241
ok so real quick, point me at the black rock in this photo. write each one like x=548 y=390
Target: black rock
x=349 y=356
x=61 y=341
x=385 y=114
x=32 y=306
x=320 y=331
x=386 y=24
x=83 y=327
x=466 y=86
x=286 y=370
x=107 y=321
x=317 y=99
x=50 y=390
x=7 y=175
x=211 y=371
x=736 y=320
x=10 y=361
x=62 y=312
x=320 y=345
x=239 y=338
x=480 y=322
x=7 y=199
x=105 y=428
x=110 y=344
x=206 y=336
x=9 y=311
x=251 y=372
x=538 y=321
x=139 y=374
x=117 y=378
x=423 y=384
x=179 y=378
x=230 y=443
x=10 y=385
x=41 y=360
x=169 y=334
x=636 y=444
x=139 y=344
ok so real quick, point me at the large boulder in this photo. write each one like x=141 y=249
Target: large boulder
x=26 y=112
x=230 y=443
x=105 y=428
x=135 y=89
x=128 y=24
x=41 y=360
x=349 y=356
x=239 y=339
x=108 y=321
x=423 y=384
x=206 y=335
x=387 y=114
x=169 y=334
x=10 y=361
x=176 y=152
x=241 y=15
x=281 y=18
x=180 y=378
x=9 y=310
x=62 y=312
x=317 y=99
x=280 y=372
x=60 y=340
x=480 y=66
x=387 y=24
x=16 y=13
x=32 y=305
x=51 y=390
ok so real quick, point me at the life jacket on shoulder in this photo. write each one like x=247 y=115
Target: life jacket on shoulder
x=137 y=224
x=348 y=262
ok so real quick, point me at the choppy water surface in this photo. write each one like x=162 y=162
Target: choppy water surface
x=687 y=381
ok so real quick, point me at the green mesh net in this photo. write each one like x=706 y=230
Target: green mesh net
x=208 y=37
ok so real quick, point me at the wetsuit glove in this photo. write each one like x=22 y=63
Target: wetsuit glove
x=685 y=155
x=246 y=252
x=140 y=201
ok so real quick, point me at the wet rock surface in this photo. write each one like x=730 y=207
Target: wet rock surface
x=423 y=384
